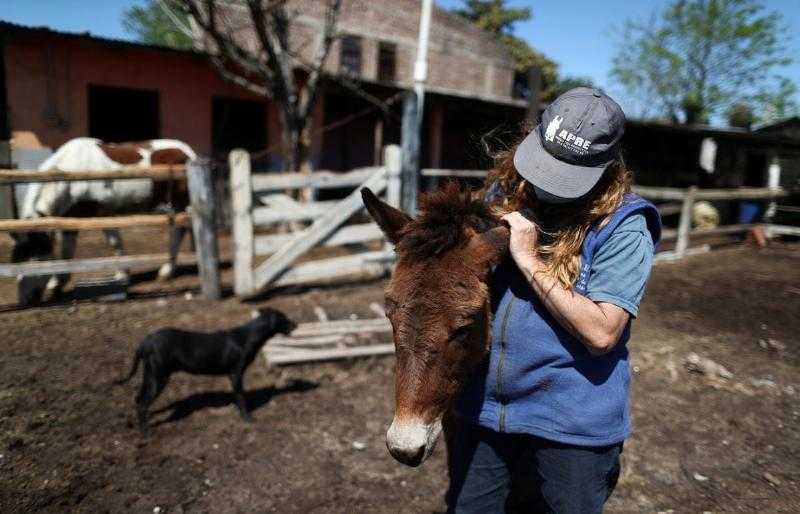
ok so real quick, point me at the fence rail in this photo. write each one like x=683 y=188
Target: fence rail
x=317 y=180
x=155 y=172
x=55 y=267
x=201 y=217
x=98 y=223
x=679 y=201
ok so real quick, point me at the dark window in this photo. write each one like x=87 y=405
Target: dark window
x=387 y=58
x=237 y=123
x=756 y=171
x=350 y=58
x=119 y=114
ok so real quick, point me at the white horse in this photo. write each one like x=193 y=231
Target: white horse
x=102 y=197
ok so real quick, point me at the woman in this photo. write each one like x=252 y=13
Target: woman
x=544 y=419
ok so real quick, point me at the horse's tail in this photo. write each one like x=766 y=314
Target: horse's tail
x=136 y=358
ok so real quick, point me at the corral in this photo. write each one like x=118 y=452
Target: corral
x=702 y=442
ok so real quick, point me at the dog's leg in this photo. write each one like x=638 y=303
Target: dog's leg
x=145 y=397
x=237 y=378
x=153 y=383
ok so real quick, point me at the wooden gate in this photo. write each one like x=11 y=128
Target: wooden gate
x=260 y=203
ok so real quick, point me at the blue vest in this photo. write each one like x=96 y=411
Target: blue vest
x=538 y=379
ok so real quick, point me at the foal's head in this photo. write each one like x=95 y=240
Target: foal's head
x=438 y=303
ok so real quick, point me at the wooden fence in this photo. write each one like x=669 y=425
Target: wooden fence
x=262 y=202
x=680 y=201
x=200 y=215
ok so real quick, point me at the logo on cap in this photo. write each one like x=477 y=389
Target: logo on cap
x=552 y=128
x=571 y=142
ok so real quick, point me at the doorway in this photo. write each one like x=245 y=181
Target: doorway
x=118 y=114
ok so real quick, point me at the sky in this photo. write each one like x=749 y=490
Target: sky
x=578 y=34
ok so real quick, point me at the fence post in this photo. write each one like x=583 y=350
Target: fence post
x=241 y=185
x=685 y=223
x=201 y=196
x=392 y=161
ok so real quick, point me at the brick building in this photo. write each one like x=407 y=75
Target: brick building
x=55 y=86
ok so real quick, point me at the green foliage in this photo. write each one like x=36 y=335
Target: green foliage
x=740 y=115
x=150 y=24
x=495 y=17
x=700 y=56
x=778 y=103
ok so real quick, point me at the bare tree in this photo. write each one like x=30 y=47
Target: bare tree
x=250 y=43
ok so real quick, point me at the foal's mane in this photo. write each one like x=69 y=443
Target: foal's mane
x=445 y=215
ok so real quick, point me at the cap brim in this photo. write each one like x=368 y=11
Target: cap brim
x=555 y=176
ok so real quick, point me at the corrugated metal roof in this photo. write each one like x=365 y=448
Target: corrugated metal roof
x=7 y=26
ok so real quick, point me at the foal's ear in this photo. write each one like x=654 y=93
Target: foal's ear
x=390 y=220
x=494 y=244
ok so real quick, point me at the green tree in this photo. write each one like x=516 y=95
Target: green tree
x=496 y=17
x=698 y=57
x=778 y=103
x=150 y=23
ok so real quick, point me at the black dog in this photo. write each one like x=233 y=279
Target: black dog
x=227 y=352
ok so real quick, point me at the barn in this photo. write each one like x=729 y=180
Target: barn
x=56 y=86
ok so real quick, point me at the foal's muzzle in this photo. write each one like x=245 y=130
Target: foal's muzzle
x=411 y=441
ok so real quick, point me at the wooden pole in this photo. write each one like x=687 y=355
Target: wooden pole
x=392 y=160
x=242 y=205
x=201 y=196
x=409 y=176
x=685 y=223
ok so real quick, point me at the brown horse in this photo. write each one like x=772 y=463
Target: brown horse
x=439 y=306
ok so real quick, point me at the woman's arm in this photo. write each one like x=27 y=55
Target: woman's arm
x=598 y=325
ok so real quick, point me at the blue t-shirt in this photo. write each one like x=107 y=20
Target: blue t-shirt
x=621 y=266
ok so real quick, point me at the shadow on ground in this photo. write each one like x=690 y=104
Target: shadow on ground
x=256 y=399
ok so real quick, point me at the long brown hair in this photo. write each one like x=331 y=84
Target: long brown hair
x=563 y=227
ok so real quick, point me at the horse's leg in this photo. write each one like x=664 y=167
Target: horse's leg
x=114 y=240
x=167 y=269
x=69 y=243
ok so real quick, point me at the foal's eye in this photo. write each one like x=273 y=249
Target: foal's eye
x=460 y=333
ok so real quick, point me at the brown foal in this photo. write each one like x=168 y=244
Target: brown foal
x=438 y=303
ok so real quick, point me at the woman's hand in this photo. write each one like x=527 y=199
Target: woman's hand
x=524 y=238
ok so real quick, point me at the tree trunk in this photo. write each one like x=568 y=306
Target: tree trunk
x=296 y=156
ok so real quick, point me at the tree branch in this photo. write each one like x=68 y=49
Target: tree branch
x=275 y=46
x=238 y=79
x=323 y=49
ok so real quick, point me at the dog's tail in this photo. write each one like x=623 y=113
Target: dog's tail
x=136 y=358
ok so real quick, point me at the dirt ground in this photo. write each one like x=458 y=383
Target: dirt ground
x=701 y=442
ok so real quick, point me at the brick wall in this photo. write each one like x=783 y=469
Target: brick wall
x=463 y=59
x=47 y=79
